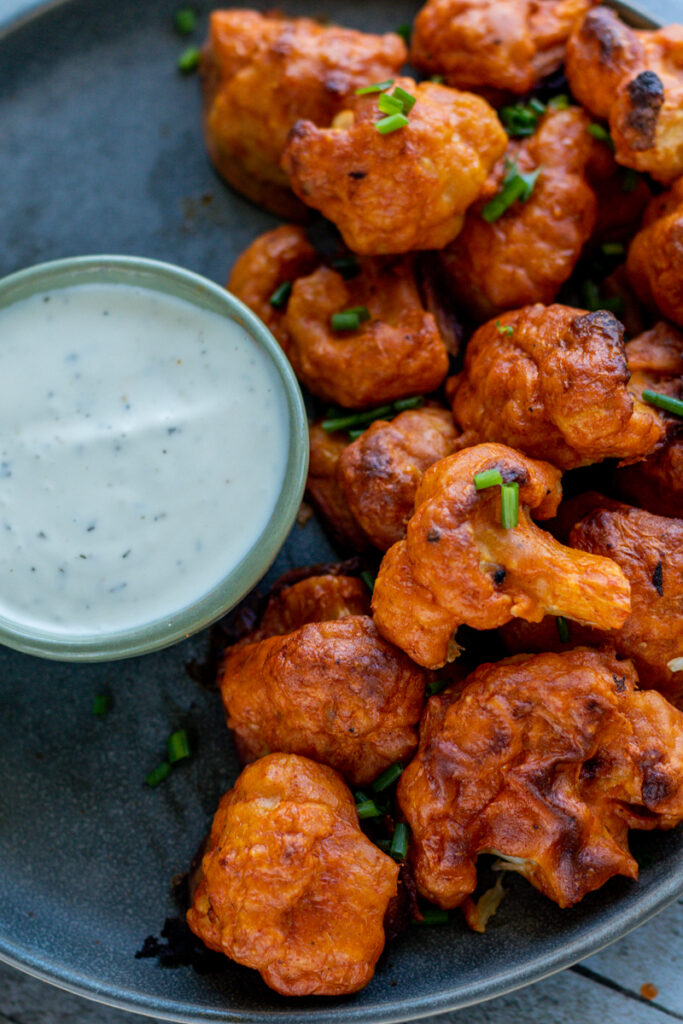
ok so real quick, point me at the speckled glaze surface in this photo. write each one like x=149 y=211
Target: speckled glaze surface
x=102 y=152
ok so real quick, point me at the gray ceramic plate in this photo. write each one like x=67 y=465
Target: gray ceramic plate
x=101 y=152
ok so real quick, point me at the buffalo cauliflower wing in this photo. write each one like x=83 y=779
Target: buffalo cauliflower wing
x=395 y=351
x=494 y=45
x=553 y=382
x=459 y=566
x=317 y=598
x=289 y=885
x=634 y=80
x=334 y=691
x=655 y=256
x=401 y=191
x=525 y=255
x=547 y=761
x=380 y=471
x=324 y=491
x=261 y=73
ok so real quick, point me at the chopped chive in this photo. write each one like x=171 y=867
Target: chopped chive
x=355 y=434
x=520 y=120
x=401 y=404
x=356 y=419
x=404 y=31
x=591 y=295
x=629 y=179
x=399 y=841
x=488 y=478
x=178 y=746
x=538 y=106
x=433 y=915
x=384 y=844
x=563 y=629
x=101 y=704
x=158 y=774
x=613 y=248
x=437 y=79
x=389 y=104
x=189 y=60
x=366 y=90
x=347 y=266
x=559 y=102
x=280 y=296
x=515 y=186
x=509 y=506
x=392 y=123
x=436 y=686
x=674 y=405
x=368 y=579
x=360 y=797
x=185 y=21
x=600 y=133
x=388 y=777
x=614 y=304
x=406 y=100
x=349 y=319
x=368 y=809
x=504 y=328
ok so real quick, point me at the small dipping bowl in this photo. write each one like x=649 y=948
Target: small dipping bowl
x=160 y=422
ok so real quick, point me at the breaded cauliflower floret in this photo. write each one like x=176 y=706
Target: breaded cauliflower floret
x=380 y=471
x=655 y=256
x=546 y=761
x=335 y=691
x=272 y=260
x=395 y=352
x=460 y=566
x=261 y=73
x=529 y=252
x=324 y=490
x=402 y=191
x=633 y=79
x=289 y=884
x=496 y=45
x=553 y=382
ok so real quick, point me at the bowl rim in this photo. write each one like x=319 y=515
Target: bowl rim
x=195 y=615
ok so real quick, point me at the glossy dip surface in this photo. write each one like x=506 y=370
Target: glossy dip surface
x=143 y=445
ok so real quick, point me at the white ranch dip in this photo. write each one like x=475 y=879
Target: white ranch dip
x=143 y=444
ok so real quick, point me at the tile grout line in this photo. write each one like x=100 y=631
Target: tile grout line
x=586 y=972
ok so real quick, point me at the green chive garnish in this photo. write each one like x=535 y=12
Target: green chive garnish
x=101 y=704
x=504 y=328
x=384 y=844
x=515 y=186
x=189 y=60
x=368 y=809
x=591 y=295
x=613 y=248
x=355 y=434
x=674 y=405
x=437 y=79
x=280 y=296
x=368 y=579
x=436 y=686
x=387 y=778
x=401 y=404
x=405 y=98
x=185 y=21
x=562 y=629
x=349 y=319
x=509 y=506
x=389 y=104
x=600 y=133
x=360 y=797
x=161 y=772
x=488 y=478
x=404 y=31
x=433 y=915
x=399 y=841
x=178 y=746
x=521 y=119
x=559 y=102
x=357 y=419
x=629 y=179
x=392 y=123
x=366 y=90
x=347 y=266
